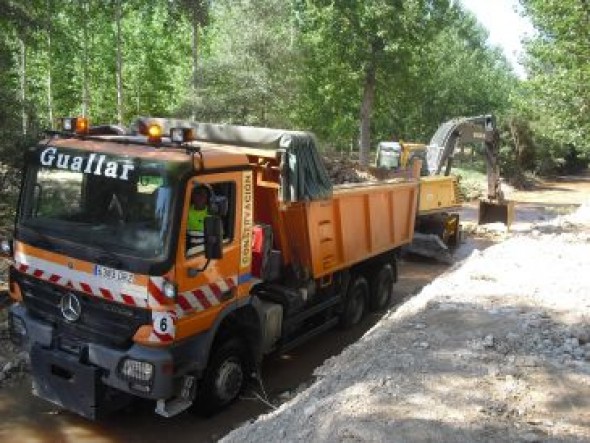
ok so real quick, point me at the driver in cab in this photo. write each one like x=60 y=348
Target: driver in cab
x=197 y=212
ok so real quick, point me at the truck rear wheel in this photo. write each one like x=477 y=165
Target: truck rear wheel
x=355 y=302
x=382 y=287
x=224 y=377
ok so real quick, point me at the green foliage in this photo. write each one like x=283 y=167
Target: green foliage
x=558 y=90
x=432 y=64
x=346 y=70
x=472 y=182
x=249 y=68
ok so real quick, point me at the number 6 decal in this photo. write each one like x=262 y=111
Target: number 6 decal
x=163 y=323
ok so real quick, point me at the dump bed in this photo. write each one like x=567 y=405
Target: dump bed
x=358 y=222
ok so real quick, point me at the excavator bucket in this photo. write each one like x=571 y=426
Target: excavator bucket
x=496 y=212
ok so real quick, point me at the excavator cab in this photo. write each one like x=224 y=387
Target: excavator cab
x=388 y=155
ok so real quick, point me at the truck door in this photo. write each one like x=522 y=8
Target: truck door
x=204 y=289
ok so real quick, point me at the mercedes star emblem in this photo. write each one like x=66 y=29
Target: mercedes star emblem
x=70 y=307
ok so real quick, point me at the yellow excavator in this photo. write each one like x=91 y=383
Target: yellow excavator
x=437 y=219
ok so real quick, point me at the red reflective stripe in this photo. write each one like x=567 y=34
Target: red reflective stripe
x=230 y=282
x=216 y=290
x=38 y=273
x=156 y=293
x=201 y=297
x=23 y=268
x=184 y=304
x=163 y=337
x=106 y=293
x=86 y=288
x=128 y=299
x=54 y=278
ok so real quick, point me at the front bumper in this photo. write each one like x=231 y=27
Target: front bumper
x=84 y=377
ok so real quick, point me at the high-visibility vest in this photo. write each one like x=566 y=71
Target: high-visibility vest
x=196 y=219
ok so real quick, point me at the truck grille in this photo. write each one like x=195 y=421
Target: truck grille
x=101 y=321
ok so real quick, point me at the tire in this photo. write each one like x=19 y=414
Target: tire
x=225 y=377
x=382 y=287
x=355 y=302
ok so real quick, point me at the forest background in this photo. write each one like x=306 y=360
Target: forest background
x=352 y=72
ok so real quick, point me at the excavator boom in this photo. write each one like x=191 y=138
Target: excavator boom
x=495 y=208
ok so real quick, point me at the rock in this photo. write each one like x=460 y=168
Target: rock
x=488 y=341
x=583 y=336
x=535 y=323
x=531 y=437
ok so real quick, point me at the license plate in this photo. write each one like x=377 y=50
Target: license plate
x=113 y=274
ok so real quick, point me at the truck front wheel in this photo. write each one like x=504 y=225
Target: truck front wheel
x=355 y=302
x=224 y=377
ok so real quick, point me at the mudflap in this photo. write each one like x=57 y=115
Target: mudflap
x=496 y=212
x=61 y=379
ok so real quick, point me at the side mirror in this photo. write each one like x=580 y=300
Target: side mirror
x=213 y=237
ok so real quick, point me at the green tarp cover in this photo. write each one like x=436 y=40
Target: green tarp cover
x=303 y=176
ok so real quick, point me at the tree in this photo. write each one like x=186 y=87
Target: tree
x=395 y=67
x=559 y=72
x=198 y=13
x=248 y=77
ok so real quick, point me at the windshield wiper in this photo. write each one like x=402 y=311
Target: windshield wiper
x=108 y=258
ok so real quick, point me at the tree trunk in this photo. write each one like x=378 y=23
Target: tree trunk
x=366 y=112
x=120 y=104
x=49 y=67
x=195 y=53
x=23 y=84
x=85 y=80
x=517 y=147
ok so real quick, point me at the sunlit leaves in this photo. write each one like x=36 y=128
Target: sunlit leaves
x=558 y=63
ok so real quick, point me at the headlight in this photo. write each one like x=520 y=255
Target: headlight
x=137 y=372
x=169 y=289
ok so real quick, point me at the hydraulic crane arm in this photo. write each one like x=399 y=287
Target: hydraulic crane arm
x=467 y=130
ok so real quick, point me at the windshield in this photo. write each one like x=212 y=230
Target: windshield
x=389 y=159
x=116 y=204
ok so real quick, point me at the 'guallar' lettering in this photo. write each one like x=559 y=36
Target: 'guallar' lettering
x=93 y=164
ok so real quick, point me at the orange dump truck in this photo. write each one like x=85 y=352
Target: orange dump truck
x=118 y=293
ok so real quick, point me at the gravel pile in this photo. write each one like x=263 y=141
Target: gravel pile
x=497 y=349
